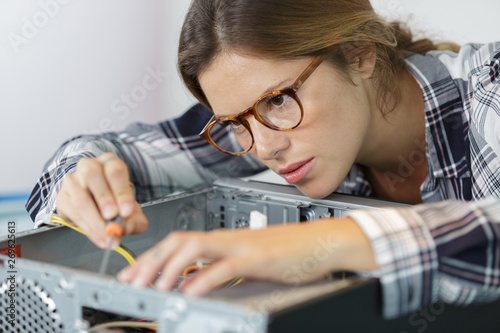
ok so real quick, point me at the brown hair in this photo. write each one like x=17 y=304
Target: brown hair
x=288 y=29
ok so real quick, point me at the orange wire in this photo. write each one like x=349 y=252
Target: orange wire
x=191 y=269
x=196 y=267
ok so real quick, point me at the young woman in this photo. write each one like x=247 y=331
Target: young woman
x=332 y=98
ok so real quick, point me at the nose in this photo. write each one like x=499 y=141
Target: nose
x=268 y=143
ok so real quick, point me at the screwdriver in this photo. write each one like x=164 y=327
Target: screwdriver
x=114 y=230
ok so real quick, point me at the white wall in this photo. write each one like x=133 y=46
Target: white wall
x=66 y=67
x=460 y=21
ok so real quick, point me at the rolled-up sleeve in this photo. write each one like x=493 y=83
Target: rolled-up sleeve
x=448 y=251
x=162 y=158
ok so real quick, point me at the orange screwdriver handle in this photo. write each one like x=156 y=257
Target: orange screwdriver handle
x=114 y=228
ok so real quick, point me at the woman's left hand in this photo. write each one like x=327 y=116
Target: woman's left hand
x=292 y=253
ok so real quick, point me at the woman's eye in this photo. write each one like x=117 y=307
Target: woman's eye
x=235 y=126
x=277 y=100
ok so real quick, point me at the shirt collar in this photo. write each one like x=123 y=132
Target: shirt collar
x=446 y=123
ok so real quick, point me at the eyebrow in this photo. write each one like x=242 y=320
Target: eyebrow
x=279 y=85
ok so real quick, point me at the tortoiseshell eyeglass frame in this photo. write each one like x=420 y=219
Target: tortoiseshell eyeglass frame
x=240 y=117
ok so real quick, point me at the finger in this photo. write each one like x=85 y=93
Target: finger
x=77 y=203
x=136 y=223
x=148 y=265
x=211 y=277
x=193 y=248
x=91 y=175
x=117 y=176
x=64 y=207
x=144 y=271
x=142 y=263
x=70 y=214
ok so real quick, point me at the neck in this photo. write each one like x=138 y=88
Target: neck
x=393 y=157
x=397 y=140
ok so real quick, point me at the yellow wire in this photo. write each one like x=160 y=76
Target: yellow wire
x=127 y=255
x=240 y=280
x=131 y=324
x=120 y=250
x=131 y=260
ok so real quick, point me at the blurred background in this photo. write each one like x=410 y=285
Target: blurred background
x=76 y=67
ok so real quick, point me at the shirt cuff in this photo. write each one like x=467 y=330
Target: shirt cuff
x=406 y=255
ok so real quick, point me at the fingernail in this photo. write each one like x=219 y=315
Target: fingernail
x=161 y=284
x=123 y=275
x=126 y=209
x=103 y=244
x=109 y=211
x=139 y=282
x=191 y=291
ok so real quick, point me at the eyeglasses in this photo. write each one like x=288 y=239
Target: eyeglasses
x=279 y=110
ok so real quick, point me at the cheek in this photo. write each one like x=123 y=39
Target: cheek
x=324 y=122
x=339 y=116
x=244 y=139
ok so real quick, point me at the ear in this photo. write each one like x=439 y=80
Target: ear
x=366 y=57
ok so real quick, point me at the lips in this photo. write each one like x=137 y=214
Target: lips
x=295 y=172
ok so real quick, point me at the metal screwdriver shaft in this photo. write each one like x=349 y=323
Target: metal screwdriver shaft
x=105 y=259
x=114 y=230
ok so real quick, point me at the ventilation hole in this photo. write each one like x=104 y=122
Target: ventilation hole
x=35 y=310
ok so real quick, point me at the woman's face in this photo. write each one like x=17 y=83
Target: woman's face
x=317 y=155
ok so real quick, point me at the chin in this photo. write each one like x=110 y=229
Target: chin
x=315 y=192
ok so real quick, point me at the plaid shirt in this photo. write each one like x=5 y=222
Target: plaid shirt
x=446 y=250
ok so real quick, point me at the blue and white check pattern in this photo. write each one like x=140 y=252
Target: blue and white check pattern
x=447 y=248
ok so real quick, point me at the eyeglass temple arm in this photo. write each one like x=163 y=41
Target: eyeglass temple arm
x=209 y=123
x=314 y=64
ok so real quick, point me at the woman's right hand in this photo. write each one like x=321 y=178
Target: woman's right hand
x=98 y=191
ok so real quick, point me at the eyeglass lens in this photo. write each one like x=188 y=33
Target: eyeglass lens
x=277 y=111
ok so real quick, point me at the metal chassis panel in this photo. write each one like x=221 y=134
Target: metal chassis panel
x=59 y=265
